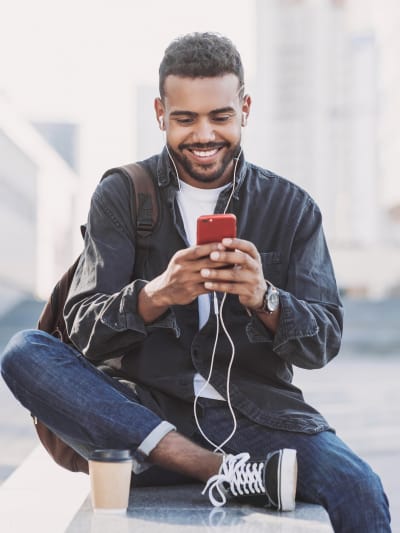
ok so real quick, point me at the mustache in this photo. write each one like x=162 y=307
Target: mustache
x=203 y=146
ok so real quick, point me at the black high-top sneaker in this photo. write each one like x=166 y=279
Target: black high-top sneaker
x=275 y=479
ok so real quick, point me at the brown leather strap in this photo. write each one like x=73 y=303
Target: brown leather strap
x=145 y=196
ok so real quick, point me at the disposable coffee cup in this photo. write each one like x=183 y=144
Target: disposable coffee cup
x=110 y=477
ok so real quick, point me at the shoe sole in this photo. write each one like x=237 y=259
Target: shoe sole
x=287 y=480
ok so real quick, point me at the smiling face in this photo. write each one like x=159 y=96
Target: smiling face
x=203 y=119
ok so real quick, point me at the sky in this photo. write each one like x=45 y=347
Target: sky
x=54 y=52
x=80 y=61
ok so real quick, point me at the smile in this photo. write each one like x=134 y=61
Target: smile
x=205 y=153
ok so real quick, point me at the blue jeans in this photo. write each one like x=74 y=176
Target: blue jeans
x=329 y=472
x=88 y=409
x=81 y=404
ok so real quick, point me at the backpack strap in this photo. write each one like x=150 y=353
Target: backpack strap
x=52 y=319
x=145 y=196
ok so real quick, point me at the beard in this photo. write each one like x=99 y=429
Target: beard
x=199 y=172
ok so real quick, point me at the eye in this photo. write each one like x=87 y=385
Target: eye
x=222 y=118
x=184 y=121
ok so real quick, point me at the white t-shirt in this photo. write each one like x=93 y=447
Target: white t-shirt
x=194 y=202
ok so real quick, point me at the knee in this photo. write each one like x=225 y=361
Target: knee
x=367 y=485
x=20 y=352
x=362 y=489
x=360 y=482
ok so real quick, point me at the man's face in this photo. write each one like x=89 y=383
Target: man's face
x=203 y=118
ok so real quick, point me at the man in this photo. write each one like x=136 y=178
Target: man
x=151 y=317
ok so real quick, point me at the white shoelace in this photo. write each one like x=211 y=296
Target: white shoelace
x=241 y=476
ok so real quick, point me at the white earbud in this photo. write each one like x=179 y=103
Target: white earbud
x=161 y=121
x=244 y=119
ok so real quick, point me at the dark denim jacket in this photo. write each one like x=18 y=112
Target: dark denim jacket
x=161 y=358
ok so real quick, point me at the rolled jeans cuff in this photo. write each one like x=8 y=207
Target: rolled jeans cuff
x=149 y=443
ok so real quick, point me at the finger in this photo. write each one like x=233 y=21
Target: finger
x=199 y=256
x=194 y=253
x=236 y=258
x=224 y=286
x=195 y=267
x=242 y=245
x=235 y=275
x=203 y=250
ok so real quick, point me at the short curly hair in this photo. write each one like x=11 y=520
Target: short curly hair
x=201 y=55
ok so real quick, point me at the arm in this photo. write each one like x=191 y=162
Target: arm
x=311 y=323
x=101 y=309
x=107 y=311
x=306 y=330
x=179 y=284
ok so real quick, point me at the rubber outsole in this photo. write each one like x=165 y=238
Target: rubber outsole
x=287 y=480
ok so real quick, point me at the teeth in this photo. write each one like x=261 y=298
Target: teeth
x=207 y=153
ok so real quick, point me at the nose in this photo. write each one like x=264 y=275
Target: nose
x=203 y=131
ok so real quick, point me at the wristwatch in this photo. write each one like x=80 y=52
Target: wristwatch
x=270 y=301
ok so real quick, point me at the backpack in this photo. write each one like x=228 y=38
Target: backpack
x=52 y=321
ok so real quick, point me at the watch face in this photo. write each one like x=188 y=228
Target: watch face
x=273 y=300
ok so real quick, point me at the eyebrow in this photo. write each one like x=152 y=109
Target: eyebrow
x=227 y=109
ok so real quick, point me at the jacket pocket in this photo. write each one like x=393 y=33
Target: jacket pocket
x=272 y=267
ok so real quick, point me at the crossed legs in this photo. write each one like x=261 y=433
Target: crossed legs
x=89 y=410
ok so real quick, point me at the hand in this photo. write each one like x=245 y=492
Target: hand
x=180 y=283
x=246 y=278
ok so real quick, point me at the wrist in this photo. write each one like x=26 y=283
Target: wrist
x=151 y=303
x=270 y=302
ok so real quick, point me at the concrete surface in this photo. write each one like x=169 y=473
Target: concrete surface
x=40 y=497
x=174 y=509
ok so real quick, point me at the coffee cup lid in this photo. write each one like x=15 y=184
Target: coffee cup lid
x=108 y=455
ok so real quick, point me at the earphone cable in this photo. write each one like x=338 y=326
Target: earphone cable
x=234 y=181
x=176 y=170
x=219 y=319
x=228 y=377
x=206 y=383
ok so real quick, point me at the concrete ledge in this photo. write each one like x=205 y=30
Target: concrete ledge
x=41 y=497
x=183 y=508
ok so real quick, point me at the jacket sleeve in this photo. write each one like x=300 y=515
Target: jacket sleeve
x=101 y=308
x=311 y=322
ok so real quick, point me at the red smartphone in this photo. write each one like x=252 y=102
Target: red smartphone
x=213 y=228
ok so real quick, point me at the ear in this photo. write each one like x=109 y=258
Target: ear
x=159 y=109
x=246 y=105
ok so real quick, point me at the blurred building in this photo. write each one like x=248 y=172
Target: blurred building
x=149 y=138
x=37 y=192
x=384 y=18
x=64 y=138
x=317 y=111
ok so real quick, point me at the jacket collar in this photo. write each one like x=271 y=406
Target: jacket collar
x=166 y=174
